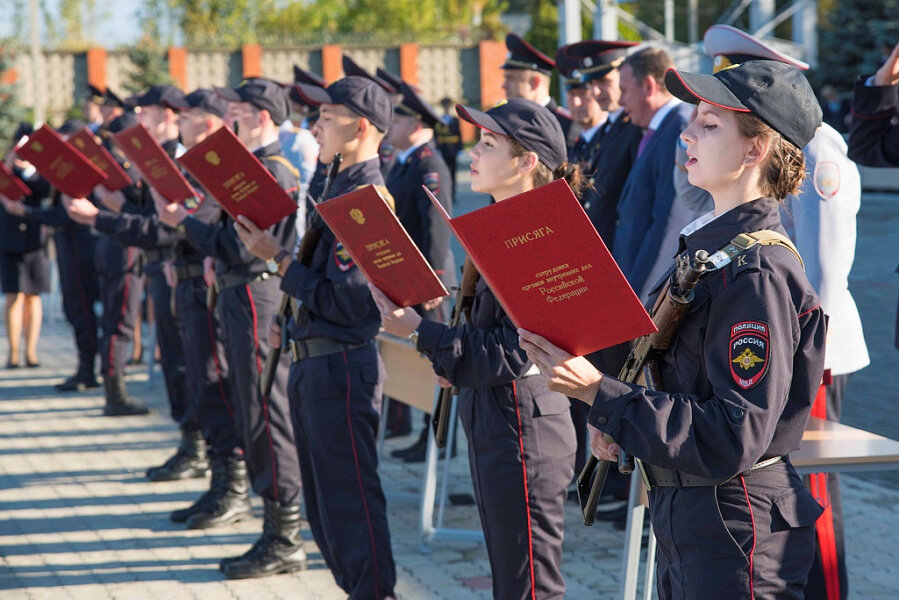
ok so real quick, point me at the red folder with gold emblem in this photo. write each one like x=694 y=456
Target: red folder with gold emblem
x=550 y=270
x=67 y=169
x=378 y=244
x=237 y=180
x=11 y=186
x=155 y=166
x=116 y=177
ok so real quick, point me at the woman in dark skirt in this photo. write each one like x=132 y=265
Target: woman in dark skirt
x=24 y=268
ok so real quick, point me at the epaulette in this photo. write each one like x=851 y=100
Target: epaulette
x=383 y=192
x=280 y=159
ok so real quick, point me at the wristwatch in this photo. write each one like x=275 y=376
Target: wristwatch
x=413 y=337
x=274 y=262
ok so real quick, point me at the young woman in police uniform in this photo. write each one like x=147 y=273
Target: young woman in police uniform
x=729 y=511
x=521 y=437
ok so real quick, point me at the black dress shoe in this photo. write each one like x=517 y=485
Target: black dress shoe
x=12 y=365
x=78 y=383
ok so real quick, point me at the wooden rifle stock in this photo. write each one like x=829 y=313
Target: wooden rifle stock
x=285 y=310
x=641 y=368
x=461 y=313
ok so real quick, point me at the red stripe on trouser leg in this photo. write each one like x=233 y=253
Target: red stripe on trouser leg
x=349 y=422
x=527 y=502
x=827 y=544
x=268 y=426
x=819 y=407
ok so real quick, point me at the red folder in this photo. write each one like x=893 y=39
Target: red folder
x=67 y=169
x=117 y=178
x=155 y=166
x=237 y=180
x=379 y=245
x=550 y=270
x=11 y=186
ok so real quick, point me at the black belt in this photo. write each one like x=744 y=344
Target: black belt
x=661 y=477
x=188 y=271
x=320 y=346
x=230 y=280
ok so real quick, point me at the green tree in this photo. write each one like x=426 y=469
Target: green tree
x=150 y=65
x=850 y=39
x=376 y=20
x=11 y=110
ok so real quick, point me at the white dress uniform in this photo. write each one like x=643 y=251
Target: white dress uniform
x=821 y=221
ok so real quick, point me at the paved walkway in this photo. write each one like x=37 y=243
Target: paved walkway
x=80 y=521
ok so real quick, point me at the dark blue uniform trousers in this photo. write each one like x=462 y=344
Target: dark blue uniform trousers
x=204 y=357
x=78 y=280
x=335 y=402
x=751 y=538
x=263 y=424
x=168 y=336
x=121 y=289
x=521 y=462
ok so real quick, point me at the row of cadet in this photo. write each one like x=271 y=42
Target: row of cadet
x=216 y=286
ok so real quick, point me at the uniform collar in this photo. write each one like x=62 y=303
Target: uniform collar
x=403 y=156
x=361 y=173
x=710 y=233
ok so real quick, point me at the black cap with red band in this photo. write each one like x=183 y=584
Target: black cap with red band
x=775 y=92
x=529 y=123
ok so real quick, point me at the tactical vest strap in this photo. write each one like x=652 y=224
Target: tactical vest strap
x=765 y=237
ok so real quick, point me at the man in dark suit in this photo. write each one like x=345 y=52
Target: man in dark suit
x=418 y=163
x=606 y=151
x=647 y=208
x=526 y=74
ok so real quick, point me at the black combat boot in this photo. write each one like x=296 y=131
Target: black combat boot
x=118 y=402
x=278 y=550
x=188 y=462
x=205 y=502
x=83 y=378
x=229 y=497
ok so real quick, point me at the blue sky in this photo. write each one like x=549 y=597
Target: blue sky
x=120 y=27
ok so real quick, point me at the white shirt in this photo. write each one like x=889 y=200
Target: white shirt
x=662 y=112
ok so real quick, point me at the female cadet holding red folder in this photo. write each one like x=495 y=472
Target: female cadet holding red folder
x=731 y=515
x=521 y=437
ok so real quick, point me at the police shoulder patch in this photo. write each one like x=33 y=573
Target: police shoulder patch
x=827 y=179
x=749 y=352
x=342 y=258
x=432 y=181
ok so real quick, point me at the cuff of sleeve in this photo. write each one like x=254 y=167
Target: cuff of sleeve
x=871 y=100
x=429 y=334
x=293 y=278
x=106 y=221
x=611 y=400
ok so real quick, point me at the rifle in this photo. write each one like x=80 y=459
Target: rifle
x=641 y=367
x=286 y=310
x=462 y=310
